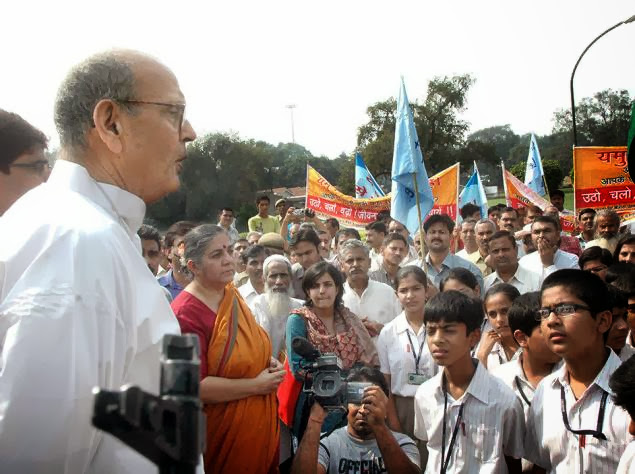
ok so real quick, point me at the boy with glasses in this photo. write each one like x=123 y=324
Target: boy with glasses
x=573 y=424
x=23 y=164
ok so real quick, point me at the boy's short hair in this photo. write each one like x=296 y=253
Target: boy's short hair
x=499 y=234
x=556 y=192
x=622 y=383
x=439 y=219
x=148 y=232
x=394 y=236
x=262 y=198
x=254 y=252
x=595 y=253
x=377 y=226
x=619 y=298
x=547 y=220
x=306 y=235
x=522 y=314
x=469 y=209
x=454 y=307
x=585 y=286
x=492 y=209
x=620 y=271
x=462 y=275
x=373 y=375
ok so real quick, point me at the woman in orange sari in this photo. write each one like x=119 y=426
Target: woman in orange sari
x=239 y=377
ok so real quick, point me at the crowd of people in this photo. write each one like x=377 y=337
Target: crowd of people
x=498 y=344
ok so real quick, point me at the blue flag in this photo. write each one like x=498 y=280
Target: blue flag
x=534 y=174
x=365 y=185
x=407 y=164
x=474 y=192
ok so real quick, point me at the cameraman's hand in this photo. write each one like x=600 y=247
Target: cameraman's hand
x=267 y=382
x=318 y=414
x=290 y=216
x=374 y=406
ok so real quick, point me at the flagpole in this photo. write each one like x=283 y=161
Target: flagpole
x=504 y=183
x=414 y=179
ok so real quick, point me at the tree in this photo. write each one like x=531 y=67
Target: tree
x=601 y=120
x=553 y=173
x=501 y=136
x=440 y=130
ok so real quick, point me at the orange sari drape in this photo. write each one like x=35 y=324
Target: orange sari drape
x=242 y=435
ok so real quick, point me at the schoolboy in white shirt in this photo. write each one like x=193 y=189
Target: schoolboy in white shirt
x=535 y=361
x=471 y=421
x=573 y=424
x=622 y=383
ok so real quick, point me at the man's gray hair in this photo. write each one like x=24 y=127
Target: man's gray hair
x=105 y=75
x=486 y=221
x=196 y=242
x=609 y=213
x=352 y=244
x=275 y=258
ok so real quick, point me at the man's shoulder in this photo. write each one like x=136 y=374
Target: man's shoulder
x=506 y=372
x=500 y=394
x=380 y=287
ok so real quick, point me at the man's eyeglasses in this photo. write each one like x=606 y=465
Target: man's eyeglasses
x=178 y=110
x=560 y=310
x=38 y=166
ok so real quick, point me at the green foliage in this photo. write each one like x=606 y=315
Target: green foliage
x=602 y=120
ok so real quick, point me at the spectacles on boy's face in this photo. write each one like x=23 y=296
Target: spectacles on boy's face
x=560 y=310
x=38 y=167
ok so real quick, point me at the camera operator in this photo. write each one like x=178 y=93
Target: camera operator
x=366 y=444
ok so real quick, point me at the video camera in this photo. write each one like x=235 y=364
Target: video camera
x=168 y=429
x=325 y=380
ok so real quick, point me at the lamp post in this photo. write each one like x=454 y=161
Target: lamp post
x=575 y=134
x=291 y=107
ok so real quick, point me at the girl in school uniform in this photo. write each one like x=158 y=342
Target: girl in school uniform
x=404 y=356
x=498 y=345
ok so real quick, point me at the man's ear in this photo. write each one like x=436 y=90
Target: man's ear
x=604 y=321
x=474 y=337
x=106 y=116
x=521 y=338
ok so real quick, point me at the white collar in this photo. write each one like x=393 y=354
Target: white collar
x=119 y=203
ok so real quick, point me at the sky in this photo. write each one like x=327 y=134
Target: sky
x=241 y=63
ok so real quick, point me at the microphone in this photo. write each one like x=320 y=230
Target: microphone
x=304 y=348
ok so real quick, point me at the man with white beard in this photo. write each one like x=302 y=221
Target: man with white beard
x=271 y=309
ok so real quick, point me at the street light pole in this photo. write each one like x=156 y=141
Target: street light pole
x=291 y=107
x=575 y=134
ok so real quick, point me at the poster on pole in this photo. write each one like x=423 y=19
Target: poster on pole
x=327 y=201
x=445 y=189
x=518 y=194
x=602 y=180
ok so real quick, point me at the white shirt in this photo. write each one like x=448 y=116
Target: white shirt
x=626 y=352
x=79 y=308
x=627 y=461
x=551 y=446
x=498 y=356
x=275 y=327
x=378 y=302
x=248 y=292
x=376 y=260
x=524 y=280
x=464 y=253
x=494 y=424
x=561 y=260
x=396 y=356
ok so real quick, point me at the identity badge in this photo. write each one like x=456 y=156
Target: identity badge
x=416 y=379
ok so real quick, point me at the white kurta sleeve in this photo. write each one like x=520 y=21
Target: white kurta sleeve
x=60 y=336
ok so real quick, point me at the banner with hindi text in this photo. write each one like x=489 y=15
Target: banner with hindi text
x=518 y=194
x=327 y=201
x=445 y=189
x=602 y=180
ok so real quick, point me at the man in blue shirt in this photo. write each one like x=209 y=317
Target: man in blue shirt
x=438 y=261
x=175 y=280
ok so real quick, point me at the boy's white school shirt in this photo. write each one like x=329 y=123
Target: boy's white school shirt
x=494 y=424
x=551 y=446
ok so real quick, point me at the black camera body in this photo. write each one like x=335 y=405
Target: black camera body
x=325 y=380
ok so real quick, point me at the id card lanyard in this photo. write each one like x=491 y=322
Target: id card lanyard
x=414 y=354
x=597 y=432
x=445 y=460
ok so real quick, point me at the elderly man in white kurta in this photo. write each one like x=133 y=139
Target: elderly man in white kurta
x=374 y=302
x=78 y=306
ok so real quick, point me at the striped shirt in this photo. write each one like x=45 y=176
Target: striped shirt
x=493 y=424
x=551 y=446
